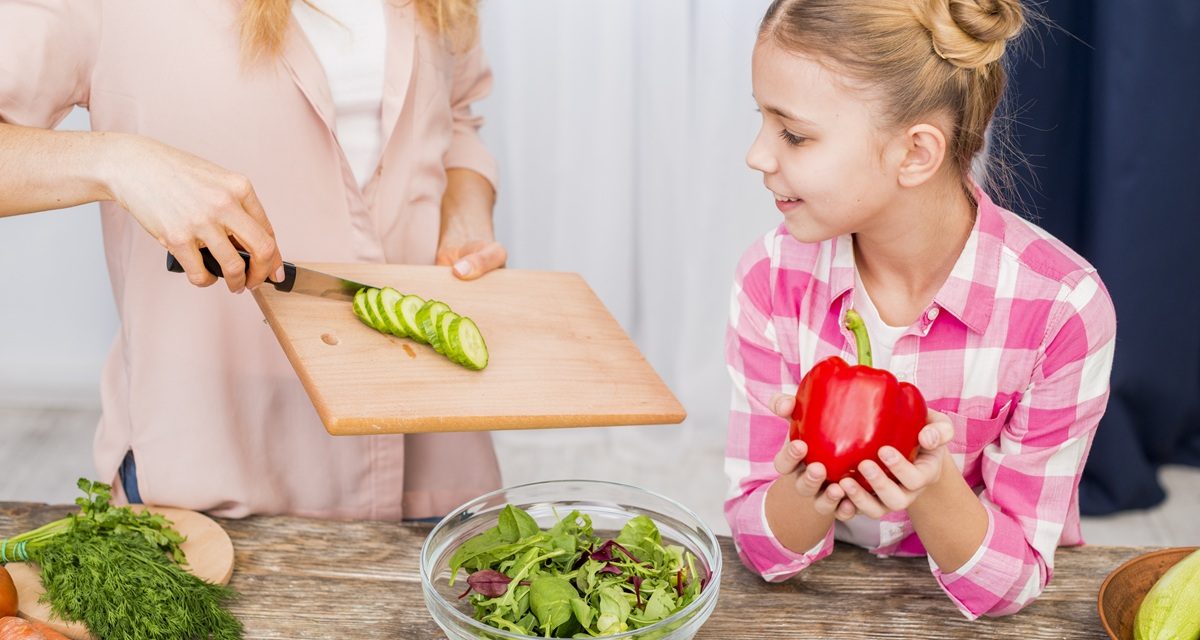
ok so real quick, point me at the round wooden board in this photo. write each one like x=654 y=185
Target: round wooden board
x=209 y=554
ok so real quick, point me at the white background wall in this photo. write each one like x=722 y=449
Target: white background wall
x=621 y=129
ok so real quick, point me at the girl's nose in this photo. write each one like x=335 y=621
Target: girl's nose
x=759 y=157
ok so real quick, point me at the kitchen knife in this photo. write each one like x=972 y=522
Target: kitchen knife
x=295 y=279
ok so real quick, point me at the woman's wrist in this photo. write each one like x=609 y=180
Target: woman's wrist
x=105 y=160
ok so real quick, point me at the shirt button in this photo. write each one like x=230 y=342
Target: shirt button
x=932 y=314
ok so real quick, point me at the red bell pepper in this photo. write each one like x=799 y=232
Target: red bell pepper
x=846 y=413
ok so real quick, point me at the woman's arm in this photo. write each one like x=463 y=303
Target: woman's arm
x=467 y=239
x=43 y=169
x=182 y=201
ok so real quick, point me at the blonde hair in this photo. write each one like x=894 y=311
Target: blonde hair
x=264 y=24
x=922 y=56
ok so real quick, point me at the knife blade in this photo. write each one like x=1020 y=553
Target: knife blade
x=295 y=279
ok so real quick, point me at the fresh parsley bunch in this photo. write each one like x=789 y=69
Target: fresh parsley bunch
x=566 y=582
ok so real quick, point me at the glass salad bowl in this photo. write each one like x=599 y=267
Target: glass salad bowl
x=610 y=506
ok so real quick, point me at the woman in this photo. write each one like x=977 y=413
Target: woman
x=206 y=116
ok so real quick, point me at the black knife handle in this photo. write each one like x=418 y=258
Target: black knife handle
x=214 y=267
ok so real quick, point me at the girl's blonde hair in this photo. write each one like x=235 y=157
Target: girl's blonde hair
x=264 y=23
x=922 y=56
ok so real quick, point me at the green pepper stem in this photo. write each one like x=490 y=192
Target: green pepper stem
x=855 y=324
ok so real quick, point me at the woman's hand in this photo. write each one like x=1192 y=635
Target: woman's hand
x=913 y=477
x=467 y=242
x=186 y=202
x=808 y=479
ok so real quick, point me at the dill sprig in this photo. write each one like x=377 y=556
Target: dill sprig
x=120 y=574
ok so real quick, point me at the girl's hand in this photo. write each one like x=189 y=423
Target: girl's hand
x=186 y=203
x=807 y=481
x=914 y=477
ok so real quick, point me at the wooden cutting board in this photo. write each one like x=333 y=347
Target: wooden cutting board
x=209 y=554
x=557 y=357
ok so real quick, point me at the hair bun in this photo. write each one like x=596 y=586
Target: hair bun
x=971 y=33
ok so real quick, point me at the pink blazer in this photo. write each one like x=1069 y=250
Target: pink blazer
x=196 y=384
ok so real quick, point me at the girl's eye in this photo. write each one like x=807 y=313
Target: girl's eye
x=791 y=138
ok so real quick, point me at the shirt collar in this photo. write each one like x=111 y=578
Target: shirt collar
x=969 y=293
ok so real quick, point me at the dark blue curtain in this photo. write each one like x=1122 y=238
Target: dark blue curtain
x=1109 y=119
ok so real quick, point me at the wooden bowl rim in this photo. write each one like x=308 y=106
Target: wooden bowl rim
x=1112 y=574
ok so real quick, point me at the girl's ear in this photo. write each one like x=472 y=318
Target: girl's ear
x=925 y=149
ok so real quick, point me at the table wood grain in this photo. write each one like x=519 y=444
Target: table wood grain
x=303 y=578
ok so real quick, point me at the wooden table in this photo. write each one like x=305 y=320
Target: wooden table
x=304 y=578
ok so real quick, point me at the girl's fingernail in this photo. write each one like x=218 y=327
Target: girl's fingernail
x=462 y=268
x=797 y=448
x=279 y=275
x=887 y=455
x=869 y=470
x=929 y=439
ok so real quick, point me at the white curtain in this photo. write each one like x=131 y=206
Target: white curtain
x=621 y=128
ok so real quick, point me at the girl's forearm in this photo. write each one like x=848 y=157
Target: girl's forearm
x=42 y=169
x=950 y=520
x=792 y=518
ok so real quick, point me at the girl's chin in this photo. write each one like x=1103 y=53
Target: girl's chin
x=806 y=232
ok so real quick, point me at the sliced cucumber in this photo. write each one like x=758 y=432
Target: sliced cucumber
x=427 y=322
x=360 y=306
x=427 y=319
x=388 y=297
x=466 y=342
x=443 y=331
x=373 y=311
x=407 y=309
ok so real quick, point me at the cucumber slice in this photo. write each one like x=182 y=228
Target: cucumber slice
x=467 y=342
x=388 y=297
x=407 y=309
x=443 y=331
x=372 y=305
x=427 y=319
x=360 y=306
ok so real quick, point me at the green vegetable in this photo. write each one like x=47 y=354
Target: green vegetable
x=567 y=582
x=1171 y=610
x=423 y=321
x=118 y=572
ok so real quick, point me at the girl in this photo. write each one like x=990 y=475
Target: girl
x=351 y=123
x=873 y=111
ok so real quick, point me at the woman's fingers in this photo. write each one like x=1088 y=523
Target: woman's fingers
x=260 y=244
x=233 y=267
x=789 y=457
x=188 y=255
x=489 y=257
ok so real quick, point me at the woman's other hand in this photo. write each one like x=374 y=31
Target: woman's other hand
x=468 y=241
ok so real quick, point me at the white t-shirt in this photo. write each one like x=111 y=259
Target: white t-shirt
x=860 y=529
x=350 y=42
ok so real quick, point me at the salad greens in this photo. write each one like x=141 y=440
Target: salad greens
x=566 y=582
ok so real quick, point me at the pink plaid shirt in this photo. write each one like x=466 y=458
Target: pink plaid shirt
x=1016 y=348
